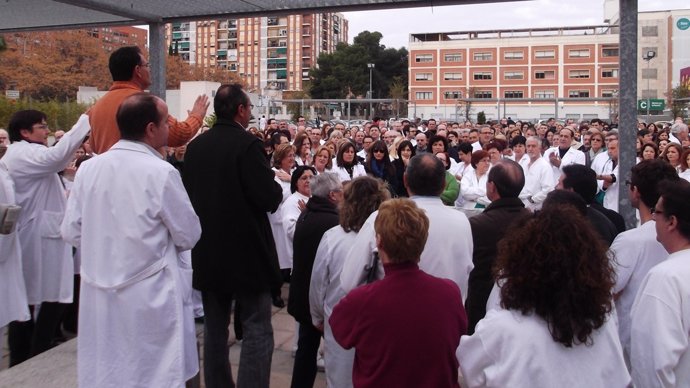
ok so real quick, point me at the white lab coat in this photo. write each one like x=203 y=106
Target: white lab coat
x=447 y=253
x=635 y=252
x=324 y=293
x=473 y=190
x=291 y=213
x=131 y=216
x=572 y=156
x=611 y=194
x=357 y=171
x=660 y=350
x=509 y=349
x=283 y=246
x=46 y=259
x=538 y=182
x=13 y=304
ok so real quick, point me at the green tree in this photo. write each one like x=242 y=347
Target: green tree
x=481 y=118
x=345 y=73
x=679 y=100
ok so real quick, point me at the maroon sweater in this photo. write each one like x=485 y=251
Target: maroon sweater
x=405 y=329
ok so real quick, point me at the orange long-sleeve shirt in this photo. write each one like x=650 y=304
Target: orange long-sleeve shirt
x=104 y=130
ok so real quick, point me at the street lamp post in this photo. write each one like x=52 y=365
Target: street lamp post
x=648 y=57
x=371 y=69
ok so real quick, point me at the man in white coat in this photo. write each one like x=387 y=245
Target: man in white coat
x=131 y=217
x=538 y=176
x=448 y=250
x=637 y=250
x=563 y=155
x=47 y=261
x=660 y=350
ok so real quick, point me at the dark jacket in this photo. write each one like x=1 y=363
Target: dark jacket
x=487 y=229
x=232 y=188
x=612 y=215
x=319 y=216
x=400 y=190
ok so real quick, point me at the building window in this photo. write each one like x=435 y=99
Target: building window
x=513 y=94
x=423 y=58
x=482 y=75
x=649 y=74
x=545 y=74
x=452 y=95
x=544 y=94
x=452 y=76
x=581 y=53
x=424 y=95
x=423 y=77
x=578 y=94
x=513 y=75
x=650 y=31
x=609 y=51
x=452 y=57
x=513 y=55
x=578 y=74
x=545 y=54
x=483 y=94
x=483 y=56
x=609 y=73
x=607 y=93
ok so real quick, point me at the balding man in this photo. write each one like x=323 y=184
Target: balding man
x=538 y=175
x=448 y=251
x=505 y=182
x=134 y=326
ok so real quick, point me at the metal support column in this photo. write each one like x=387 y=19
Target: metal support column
x=627 y=123
x=157 y=52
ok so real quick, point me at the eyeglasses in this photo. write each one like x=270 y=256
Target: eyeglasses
x=657 y=211
x=145 y=64
x=379 y=150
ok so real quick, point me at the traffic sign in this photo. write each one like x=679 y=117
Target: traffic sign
x=654 y=104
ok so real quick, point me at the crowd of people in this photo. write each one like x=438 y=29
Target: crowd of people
x=417 y=253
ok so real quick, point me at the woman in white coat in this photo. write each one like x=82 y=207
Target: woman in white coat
x=46 y=259
x=297 y=201
x=347 y=167
x=473 y=183
x=549 y=269
x=283 y=165
x=361 y=198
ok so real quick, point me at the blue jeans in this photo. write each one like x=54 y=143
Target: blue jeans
x=257 y=346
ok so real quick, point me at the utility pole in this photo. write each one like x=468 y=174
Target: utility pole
x=371 y=69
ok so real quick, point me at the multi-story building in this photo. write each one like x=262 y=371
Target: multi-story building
x=269 y=53
x=567 y=67
x=113 y=38
x=506 y=67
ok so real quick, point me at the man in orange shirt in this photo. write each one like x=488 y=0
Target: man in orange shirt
x=132 y=74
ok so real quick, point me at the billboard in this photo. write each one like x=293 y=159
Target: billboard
x=685 y=77
x=681 y=47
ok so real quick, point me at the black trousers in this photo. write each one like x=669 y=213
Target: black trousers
x=27 y=339
x=304 y=369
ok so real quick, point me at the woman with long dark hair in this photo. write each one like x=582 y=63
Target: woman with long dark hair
x=347 y=166
x=379 y=165
x=405 y=153
x=555 y=326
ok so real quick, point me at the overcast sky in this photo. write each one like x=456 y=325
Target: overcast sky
x=397 y=24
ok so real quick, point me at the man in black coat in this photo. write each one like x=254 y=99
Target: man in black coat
x=320 y=215
x=505 y=182
x=232 y=188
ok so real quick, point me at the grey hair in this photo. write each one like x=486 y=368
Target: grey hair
x=678 y=128
x=535 y=138
x=322 y=184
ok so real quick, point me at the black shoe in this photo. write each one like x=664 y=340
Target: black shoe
x=278 y=302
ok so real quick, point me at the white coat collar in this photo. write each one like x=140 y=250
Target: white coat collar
x=137 y=146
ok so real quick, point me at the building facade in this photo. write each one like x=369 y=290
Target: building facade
x=269 y=53
x=113 y=38
x=527 y=74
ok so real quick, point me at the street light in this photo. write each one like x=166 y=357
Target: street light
x=648 y=57
x=371 y=69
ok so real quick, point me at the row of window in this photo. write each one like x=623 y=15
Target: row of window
x=542 y=94
x=606 y=51
x=517 y=75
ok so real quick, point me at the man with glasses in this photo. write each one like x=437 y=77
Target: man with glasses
x=131 y=74
x=232 y=189
x=637 y=250
x=486 y=134
x=366 y=144
x=47 y=261
x=563 y=154
x=661 y=310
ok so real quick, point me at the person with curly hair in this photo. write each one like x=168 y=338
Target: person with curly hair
x=554 y=326
x=361 y=197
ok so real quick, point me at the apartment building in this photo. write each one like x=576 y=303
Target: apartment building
x=515 y=73
x=270 y=53
x=113 y=38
